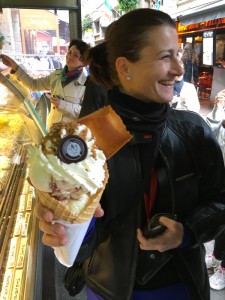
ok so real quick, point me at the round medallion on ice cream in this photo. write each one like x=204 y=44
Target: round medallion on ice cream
x=72 y=149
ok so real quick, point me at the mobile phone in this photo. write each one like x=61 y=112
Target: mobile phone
x=154 y=228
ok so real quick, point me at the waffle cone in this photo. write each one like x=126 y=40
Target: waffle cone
x=61 y=212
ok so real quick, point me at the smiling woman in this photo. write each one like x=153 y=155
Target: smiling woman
x=67 y=85
x=165 y=170
x=145 y=67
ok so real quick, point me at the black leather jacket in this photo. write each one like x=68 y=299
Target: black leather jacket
x=191 y=183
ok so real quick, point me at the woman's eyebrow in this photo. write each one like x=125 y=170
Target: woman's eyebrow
x=74 y=52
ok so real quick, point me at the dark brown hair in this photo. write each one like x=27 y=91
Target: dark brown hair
x=81 y=45
x=127 y=37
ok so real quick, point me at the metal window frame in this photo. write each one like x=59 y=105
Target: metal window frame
x=74 y=7
x=49 y=4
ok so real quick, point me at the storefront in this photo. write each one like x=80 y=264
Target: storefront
x=208 y=40
x=203 y=26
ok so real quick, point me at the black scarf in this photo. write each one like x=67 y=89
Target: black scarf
x=146 y=122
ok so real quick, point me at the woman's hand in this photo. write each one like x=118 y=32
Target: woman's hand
x=55 y=101
x=54 y=234
x=220 y=99
x=170 y=239
x=9 y=62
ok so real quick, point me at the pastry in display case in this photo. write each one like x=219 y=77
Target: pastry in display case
x=21 y=124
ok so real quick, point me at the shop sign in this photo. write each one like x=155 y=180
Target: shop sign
x=38 y=20
x=203 y=25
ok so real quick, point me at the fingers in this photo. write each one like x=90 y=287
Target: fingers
x=99 y=212
x=43 y=213
x=175 y=232
x=54 y=234
x=9 y=62
x=170 y=239
x=55 y=229
x=149 y=243
x=6 y=60
x=55 y=102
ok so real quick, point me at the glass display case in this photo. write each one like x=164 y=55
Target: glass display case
x=21 y=124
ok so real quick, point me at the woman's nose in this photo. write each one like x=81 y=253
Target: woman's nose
x=179 y=69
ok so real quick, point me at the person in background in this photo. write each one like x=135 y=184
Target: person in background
x=185 y=95
x=190 y=61
x=96 y=92
x=164 y=173
x=216 y=120
x=220 y=100
x=54 y=63
x=215 y=260
x=67 y=85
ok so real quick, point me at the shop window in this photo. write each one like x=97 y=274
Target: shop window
x=35 y=38
x=220 y=50
x=97 y=26
x=189 y=40
x=180 y=43
x=198 y=48
x=116 y=13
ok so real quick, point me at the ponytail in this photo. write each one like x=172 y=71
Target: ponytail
x=96 y=57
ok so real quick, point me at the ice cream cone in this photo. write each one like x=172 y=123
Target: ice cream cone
x=61 y=212
x=59 y=179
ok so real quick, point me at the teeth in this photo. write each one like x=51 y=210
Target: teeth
x=166 y=82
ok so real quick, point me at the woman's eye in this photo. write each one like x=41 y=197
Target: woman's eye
x=166 y=56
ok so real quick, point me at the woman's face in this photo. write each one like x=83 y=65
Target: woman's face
x=73 y=58
x=153 y=76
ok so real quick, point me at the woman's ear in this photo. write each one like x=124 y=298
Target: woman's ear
x=122 y=66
